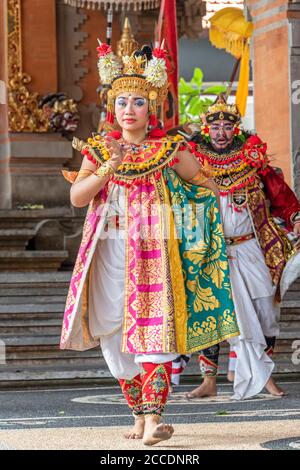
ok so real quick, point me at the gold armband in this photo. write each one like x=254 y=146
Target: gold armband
x=82 y=174
x=199 y=178
x=105 y=170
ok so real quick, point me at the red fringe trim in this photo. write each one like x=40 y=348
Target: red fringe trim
x=173 y=162
x=86 y=153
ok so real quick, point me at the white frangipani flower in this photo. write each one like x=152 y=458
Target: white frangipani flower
x=109 y=68
x=156 y=73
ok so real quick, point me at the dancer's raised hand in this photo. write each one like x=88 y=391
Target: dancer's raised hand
x=116 y=151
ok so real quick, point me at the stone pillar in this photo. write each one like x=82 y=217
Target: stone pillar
x=37 y=156
x=5 y=190
x=39 y=40
x=276 y=76
x=294 y=56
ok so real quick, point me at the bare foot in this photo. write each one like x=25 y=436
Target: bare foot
x=274 y=389
x=137 y=431
x=208 y=388
x=155 y=431
x=230 y=376
x=171 y=389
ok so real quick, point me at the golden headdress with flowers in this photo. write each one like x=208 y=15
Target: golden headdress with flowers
x=143 y=72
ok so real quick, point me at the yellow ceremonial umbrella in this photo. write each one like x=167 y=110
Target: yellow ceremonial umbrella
x=230 y=31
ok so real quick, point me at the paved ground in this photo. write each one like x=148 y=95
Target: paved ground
x=96 y=417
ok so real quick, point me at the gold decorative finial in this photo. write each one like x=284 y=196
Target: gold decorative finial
x=127 y=43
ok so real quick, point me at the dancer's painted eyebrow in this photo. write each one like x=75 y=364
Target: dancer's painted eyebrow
x=127 y=97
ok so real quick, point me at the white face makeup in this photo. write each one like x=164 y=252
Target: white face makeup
x=131 y=111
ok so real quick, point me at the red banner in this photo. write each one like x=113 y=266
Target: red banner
x=167 y=30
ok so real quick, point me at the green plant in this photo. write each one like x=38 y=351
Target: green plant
x=192 y=103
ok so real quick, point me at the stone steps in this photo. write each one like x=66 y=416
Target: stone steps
x=15 y=239
x=31 y=308
x=15 y=280
x=31 y=260
x=295 y=303
x=35 y=237
x=14 y=300
x=28 y=340
x=59 y=360
x=292 y=295
x=31 y=311
x=41 y=352
x=50 y=354
x=17 y=330
x=31 y=292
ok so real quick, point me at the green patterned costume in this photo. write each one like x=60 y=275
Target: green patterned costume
x=211 y=317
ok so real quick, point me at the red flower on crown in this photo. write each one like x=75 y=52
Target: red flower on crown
x=159 y=53
x=103 y=49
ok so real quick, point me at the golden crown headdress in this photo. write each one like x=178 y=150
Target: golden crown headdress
x=221 y=110
x=143 y=72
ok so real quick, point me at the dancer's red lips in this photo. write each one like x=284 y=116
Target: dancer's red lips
x=129 y=120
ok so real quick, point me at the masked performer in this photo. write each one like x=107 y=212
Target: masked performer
x=144 y=286
x=258 y=249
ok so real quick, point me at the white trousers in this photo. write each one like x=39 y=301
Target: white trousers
x=123 y=365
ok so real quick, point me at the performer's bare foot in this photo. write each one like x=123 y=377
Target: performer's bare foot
x=137 y=431
x=230 y=376
x=208 y=388
x=171 y=389
x=155 y=431
x=274 y=389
